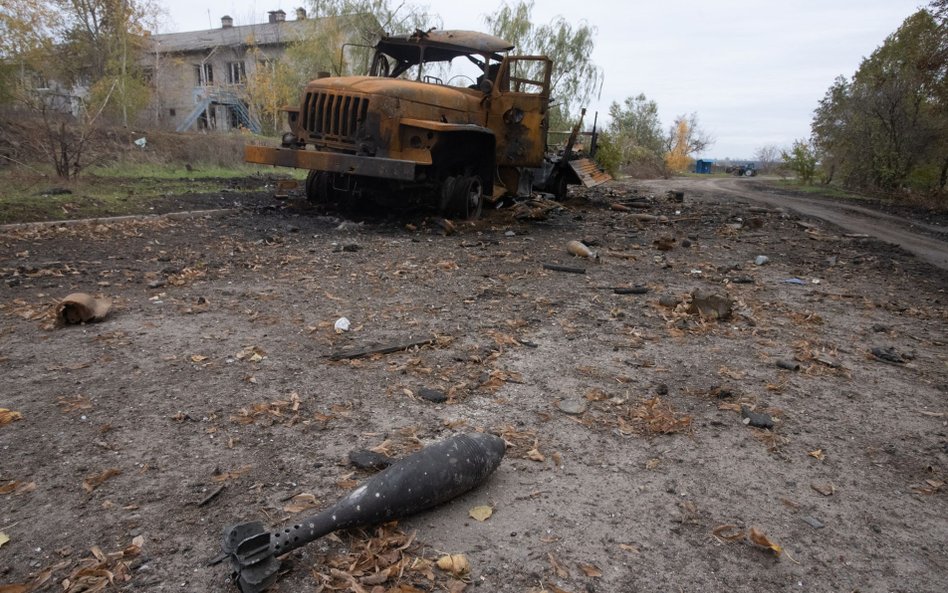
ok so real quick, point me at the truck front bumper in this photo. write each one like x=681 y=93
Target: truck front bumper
x=332 y=162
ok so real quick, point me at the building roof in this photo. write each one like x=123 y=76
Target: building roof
x=260 y=34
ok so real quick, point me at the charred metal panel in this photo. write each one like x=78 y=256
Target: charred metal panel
x=589 y=173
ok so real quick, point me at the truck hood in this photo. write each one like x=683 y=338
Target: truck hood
x=446 y=97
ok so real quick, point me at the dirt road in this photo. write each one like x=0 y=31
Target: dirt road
x=927 y=241
x=208 y=397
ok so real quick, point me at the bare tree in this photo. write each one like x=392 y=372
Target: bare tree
x=767 y=157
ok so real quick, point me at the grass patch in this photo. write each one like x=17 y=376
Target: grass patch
x=180 y=171
x=829 y=191
x=119 y=190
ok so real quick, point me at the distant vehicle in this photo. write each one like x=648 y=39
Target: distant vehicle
x=403 y=132
x=745 y=170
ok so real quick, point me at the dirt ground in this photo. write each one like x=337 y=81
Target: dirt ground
x=207 y=398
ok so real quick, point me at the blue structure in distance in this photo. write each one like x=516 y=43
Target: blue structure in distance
x=703 y=166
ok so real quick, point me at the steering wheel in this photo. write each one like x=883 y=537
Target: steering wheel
x=465 y=76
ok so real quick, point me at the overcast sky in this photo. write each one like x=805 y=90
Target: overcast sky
x=753 y=71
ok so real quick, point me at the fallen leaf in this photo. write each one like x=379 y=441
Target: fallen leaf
x=4 y=538
x=15 y=588
x=596 y=395
x=590 y=570
x=827 y=489
x=728 y=533
x=94 y=481
x=629 y=548
x=303 y=502
x=817 y=454
x=760 y=539
x=652 y=463
x=73 y=404
x=481 y=513
x=8 y=416
x=654 y=417
x=223 y=477
x=198 y=358
x=379 y=577
x=455 y=564
x=558 y=569
x=535 y=455
x=931 y=487
x=16 y=488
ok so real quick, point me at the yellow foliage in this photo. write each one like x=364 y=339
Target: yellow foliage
x=677 y=158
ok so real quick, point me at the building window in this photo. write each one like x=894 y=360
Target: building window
x=203 y=74
x=236 y=73
x=172 y=112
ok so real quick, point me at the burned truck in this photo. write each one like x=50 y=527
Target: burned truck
x=414 y=130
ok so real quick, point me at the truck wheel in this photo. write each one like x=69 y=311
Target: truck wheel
x=559 y=187
x=318 y=187
x=467 y=197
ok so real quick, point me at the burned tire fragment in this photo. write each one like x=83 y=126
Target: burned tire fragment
x=318 y=187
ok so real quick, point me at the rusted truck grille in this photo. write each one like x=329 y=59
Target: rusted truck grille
x=332 y=116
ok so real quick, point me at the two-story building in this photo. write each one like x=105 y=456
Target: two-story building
x=199 y=77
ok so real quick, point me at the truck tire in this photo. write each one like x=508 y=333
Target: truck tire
x=559 y=187
x=462 y=197
x=318 y=187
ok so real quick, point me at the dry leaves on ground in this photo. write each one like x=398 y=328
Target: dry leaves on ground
x=456 y=564
x=75 y=403
x=405 y=442
x=94 y=481
x=523 y=444
x=653 y=416
x=185 y=277
x=733 y=533
x=301 y=502
x=497 y=378
x=100 y=572
x=590 y=570
x=251 y=354
x=558 y=569
x=8 y=416
x=276 y=412
x=16 y=488
x=388 y=560
x=930 y=487
x=231 y=475
x=481 y=513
